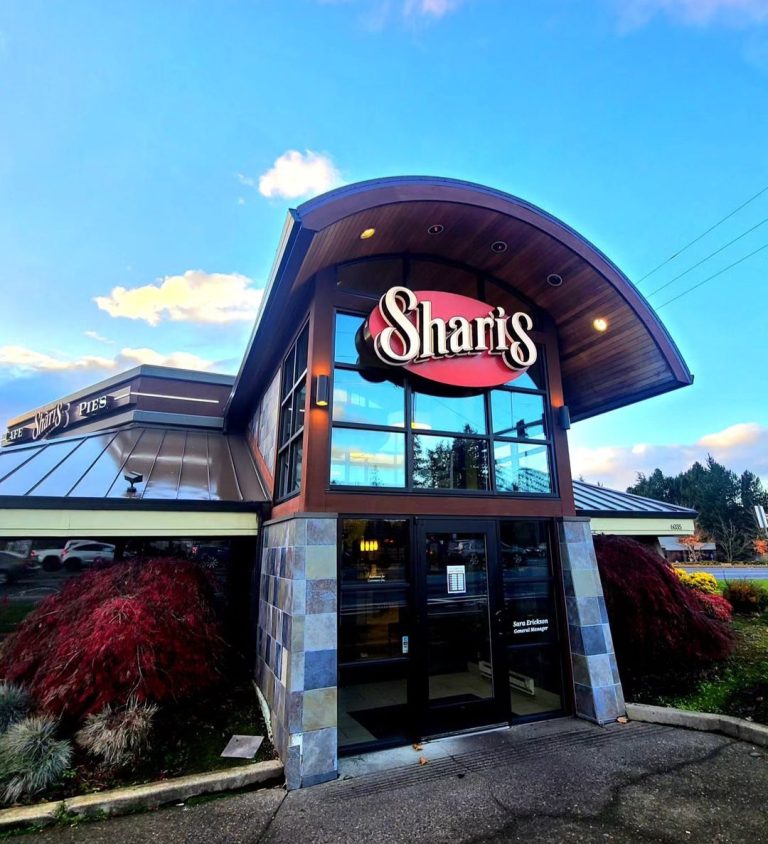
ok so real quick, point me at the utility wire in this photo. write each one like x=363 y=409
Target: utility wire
x=702 y=235
x=711 y=255
x=714 y=275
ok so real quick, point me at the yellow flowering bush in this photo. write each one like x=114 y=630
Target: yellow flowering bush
x=702 y=581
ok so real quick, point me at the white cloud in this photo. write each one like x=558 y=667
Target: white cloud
x=739 y=447
x=637 y=13
x=21 y=361
x=195 y=296
x=94 y=335
x=376 y=14
x=430 y=8
x=180 y=360
x=296 y=174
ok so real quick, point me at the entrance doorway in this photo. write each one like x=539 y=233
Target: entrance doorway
x=444 y=626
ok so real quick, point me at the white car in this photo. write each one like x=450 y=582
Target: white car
x=48 y=558
x=84 y=552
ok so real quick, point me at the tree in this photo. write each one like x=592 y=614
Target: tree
x=690 y=544
x=723 y=499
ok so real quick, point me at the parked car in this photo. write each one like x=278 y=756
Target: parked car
x=12 y=567
x=85 y=552
x=48 y=558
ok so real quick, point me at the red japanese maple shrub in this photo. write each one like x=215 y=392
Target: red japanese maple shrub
x=141 y=630
x=715 y=606
x=658 y=625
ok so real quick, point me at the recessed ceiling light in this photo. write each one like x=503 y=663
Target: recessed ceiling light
x=438 y=228
x=366 y=233
x=498 y=246
x=554 y=280
x=600 y=324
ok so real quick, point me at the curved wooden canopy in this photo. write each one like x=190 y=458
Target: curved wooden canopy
x=635 y=359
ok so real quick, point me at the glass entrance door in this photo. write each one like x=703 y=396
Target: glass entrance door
x=459 y=653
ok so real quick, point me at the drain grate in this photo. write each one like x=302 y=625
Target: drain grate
x=509 y=753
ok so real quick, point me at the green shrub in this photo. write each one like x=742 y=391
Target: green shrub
x=118 y=735
x=31 y=758
x=14 y=704
x=746 y=596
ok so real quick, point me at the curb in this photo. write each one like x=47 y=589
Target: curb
x=119 y=801
x=708 y=722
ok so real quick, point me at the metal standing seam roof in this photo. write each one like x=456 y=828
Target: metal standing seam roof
x=179 y=466
x=192 y=466
x=598 y=501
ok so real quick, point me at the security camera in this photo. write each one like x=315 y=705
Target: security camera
x=133 y=478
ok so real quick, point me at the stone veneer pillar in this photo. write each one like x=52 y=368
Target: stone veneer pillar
x=296 y=644
x=599 y=695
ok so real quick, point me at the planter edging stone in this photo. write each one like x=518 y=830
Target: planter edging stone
x=119 y=801
x=709 y=722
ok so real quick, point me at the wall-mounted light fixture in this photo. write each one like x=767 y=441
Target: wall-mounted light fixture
x=564 y=417
x=322 y=390
x=369 y=544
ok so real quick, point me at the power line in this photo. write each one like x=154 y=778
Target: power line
x=702 y=235
x=711 y=255
x=714 y=275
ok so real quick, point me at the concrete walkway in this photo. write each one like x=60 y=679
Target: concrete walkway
x=558 y=781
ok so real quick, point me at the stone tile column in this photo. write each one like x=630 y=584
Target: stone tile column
x=598 y=691
x=296 y=644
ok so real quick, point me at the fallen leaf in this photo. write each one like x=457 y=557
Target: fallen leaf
x=423 y=760
x=623 y=720
x=418 y=746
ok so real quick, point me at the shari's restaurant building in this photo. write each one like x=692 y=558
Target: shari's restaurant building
x=393 y=459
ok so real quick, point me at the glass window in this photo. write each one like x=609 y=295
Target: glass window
x=302 y=349
x=357 y=400
x=522 y=467
x=367 y=458
x=372 y=624
x=450 y=463
x=434 y=275
x=530 y=614
x=374 y=551
x=524 y=552
x=346 y=330
x=465 y=415
x=535 y=680
x=447 y=435
x=519 y=415
x=373 y=277
x=292 y=411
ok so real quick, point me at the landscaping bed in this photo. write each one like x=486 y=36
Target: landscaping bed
x=188 y=739
x=128 y=675
x=737 y=687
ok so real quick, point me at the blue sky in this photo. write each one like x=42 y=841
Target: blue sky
x=149 y=152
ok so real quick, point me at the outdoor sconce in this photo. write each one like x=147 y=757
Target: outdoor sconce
x=564 y=417
x=322 y=390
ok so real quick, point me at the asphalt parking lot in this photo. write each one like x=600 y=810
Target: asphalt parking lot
x=557 y=781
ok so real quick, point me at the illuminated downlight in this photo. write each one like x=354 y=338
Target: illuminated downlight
x=600 y=324
x=367 y=233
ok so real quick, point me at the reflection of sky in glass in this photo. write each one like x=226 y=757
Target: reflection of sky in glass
x=346 y=328
x=367 y=458
x=533 y=377
x=522 y=468
x=463 y=415
x=366 y=402
x=518 y=414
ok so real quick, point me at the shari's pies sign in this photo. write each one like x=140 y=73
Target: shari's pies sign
x=449 y=338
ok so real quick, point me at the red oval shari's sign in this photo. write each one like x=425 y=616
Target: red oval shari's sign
x=449 y=338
